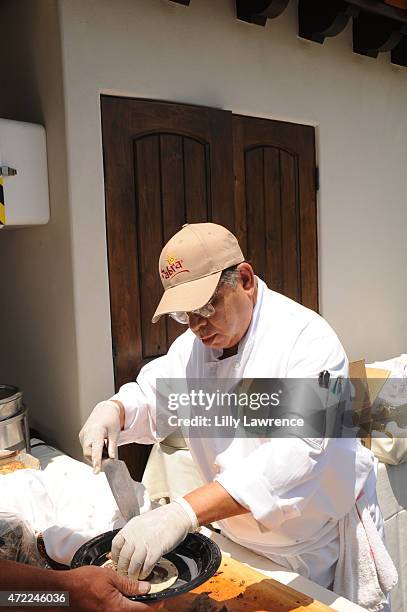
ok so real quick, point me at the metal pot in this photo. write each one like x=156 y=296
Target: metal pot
x=11 y=401
x=14 y=432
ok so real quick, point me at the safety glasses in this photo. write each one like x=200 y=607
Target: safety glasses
x=206 y=311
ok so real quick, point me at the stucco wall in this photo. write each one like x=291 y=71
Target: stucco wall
x=38 y=337
x=203 y=55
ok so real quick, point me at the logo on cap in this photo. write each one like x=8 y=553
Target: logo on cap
x=175 y=266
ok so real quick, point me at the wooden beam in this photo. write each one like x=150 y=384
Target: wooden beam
x=378 y=7
x=373 y=34
x=318 y=19
x=399 y=53
x=258 y=11
x=402 y=4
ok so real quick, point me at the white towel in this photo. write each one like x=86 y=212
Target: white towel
x=365 y=572
x=66 y=502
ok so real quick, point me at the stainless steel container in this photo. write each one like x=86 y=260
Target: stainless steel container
x=15 y=433
x=11 y=401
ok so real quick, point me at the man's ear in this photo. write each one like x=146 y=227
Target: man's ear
x=247 y=276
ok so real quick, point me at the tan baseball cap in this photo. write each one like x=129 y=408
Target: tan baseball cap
x=191 y=264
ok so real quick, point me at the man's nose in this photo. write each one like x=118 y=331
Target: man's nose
x=196 y=322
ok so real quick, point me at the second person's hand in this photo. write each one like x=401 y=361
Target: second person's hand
x=95 y=589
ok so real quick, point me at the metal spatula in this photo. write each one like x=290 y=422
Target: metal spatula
x=122 y=487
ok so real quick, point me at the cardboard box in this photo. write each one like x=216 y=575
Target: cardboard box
x=367 y=383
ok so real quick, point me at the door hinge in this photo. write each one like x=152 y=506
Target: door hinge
x=317 y=178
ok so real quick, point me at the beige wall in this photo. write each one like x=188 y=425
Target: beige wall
x=203 y=55
x=38 y=337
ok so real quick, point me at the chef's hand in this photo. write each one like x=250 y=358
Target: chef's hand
x=146 y=538
x=103 y=423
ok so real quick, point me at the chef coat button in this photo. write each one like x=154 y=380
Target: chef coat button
x=237 y=366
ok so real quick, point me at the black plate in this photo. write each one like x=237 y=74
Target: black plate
x=197 y=558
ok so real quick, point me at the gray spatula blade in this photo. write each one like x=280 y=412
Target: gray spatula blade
x=122 y=487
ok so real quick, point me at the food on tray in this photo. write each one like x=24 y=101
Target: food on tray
x=11 y=461
x=163 y=576
x=11 y=467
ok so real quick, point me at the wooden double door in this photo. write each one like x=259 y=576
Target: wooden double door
x=167 y=164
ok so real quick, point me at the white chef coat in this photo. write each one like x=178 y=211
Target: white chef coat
x=296 y=489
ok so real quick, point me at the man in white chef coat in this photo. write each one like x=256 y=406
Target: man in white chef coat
x=282 y=498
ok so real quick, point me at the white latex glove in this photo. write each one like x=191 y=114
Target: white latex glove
x=146 y=538
x=102 y=424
